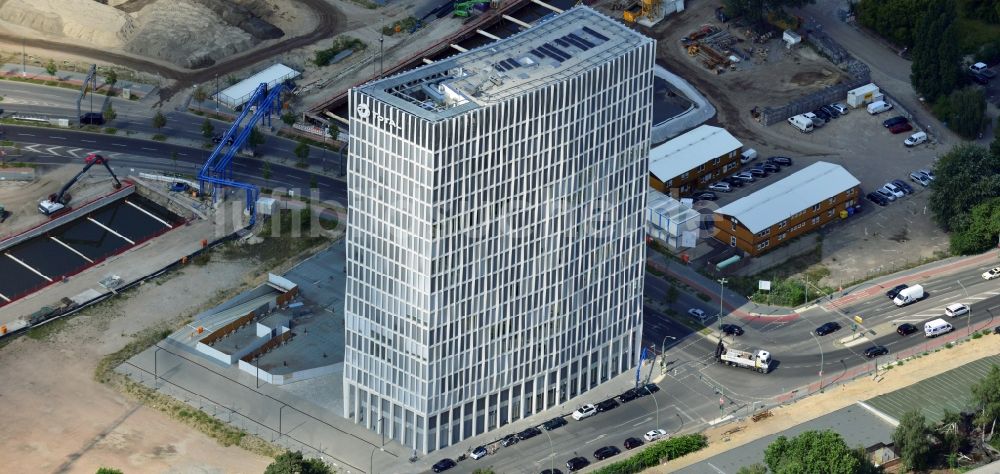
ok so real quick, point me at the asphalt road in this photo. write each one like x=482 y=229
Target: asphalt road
x=143 y=155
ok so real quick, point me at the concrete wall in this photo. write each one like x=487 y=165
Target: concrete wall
x=699 y=113
x=164 y=199
x=75 y=213
x=281 y=379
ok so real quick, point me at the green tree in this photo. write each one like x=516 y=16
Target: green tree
x=109 y=113
x=108 y=470
x=293 y=463
x=199 y=95
x=50 y=67
x=302 y=153
x=256 y=138
x=265 y=171
x=815 y=451
x=986 y=398
x=333 y=131
x=110 y=77
x=757 y=11
x=757 y=468
x=963 y=110
x=313 y=182
x=207 y=129
x=979 y=232
x=911 y=440
x=966 y=176
x=896 y=20
x=936 y=55
x=672 y=294
x=159 y=120
x=288 y=118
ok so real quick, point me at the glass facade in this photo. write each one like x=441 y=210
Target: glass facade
x=495 y=257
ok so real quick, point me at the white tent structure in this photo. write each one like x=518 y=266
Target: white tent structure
x=239 y=93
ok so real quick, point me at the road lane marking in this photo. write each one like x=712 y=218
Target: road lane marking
x=183 y=154
x=720 y=471
x=57 y=138
x=118 y=144
x=25 y=134
x=88 y=141
x=643 y=422
x=150 y=149
x=596 y=439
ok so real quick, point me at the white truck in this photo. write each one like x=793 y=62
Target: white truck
x=801 y=123
x=909 y=295
x=759 y=360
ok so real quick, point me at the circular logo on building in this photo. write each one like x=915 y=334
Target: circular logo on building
x=363 y=110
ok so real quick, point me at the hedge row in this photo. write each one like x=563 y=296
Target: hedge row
x=672 y=448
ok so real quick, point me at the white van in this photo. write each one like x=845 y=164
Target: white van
x=801 y=123
x=909 y=295
x=748 y=155
x=915 y=139
x=937 y=327
x=878 y=107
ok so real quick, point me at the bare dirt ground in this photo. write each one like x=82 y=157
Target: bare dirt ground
x=58 y=419
x=21 y=198
x=834 y=399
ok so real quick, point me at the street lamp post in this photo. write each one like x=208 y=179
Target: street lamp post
x=552 y=452
x=651 y=395
x=968 y=316
x=663 y=345
x=156 y=373
x=821 y=361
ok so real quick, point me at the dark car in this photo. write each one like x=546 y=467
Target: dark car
x=577 y=463
x=832 y=112
x=551 y=471
x=902 y=185
x=92 y=118
x=779 y=160
x=509 y=440
x=827 y=328
x=906 y=329
x=822 y=114
x=877 y=199
x=893 y=121
x=628 y=396
x=606 y=405
x=606 y=452
x=901 y=127
x=443 y=465
x=218 y=139
x=649 y=388
x=179 y=187
x=758 y=172
x=732 y=330
x=895 y=291
x=529 y=433
x=736 y=182
x=875 y=351
x=996 y=330
x=554 y=423
x=770 y=167
x=631 y=443
x=705 y=196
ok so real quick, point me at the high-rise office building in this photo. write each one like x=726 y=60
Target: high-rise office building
x=495 y=242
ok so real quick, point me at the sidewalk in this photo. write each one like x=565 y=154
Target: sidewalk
x=40 y=74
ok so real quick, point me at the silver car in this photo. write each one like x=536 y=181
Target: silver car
x=921 y=178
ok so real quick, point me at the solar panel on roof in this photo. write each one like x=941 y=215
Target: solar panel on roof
x=537 y=54
x=577 y=44
x=513 y=63
x=588 y=43
x=498 y=67
x=554 y=52
x=562 y=42
x=595 y=34
x=561 y=52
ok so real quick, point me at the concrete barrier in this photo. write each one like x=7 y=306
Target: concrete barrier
x=163 y=198
x=69 y=216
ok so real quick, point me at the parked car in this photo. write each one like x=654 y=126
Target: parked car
x=745 y=176
x=875 y=351
x=817 y=122
x=894 y=292
x=878 y=107
x=632 y=443
x=705 y=196
x=900 y=128
x=902 y=185
x=179 y=187
x=649 y=388
x=606 y=452
x=892 y=188
x=585 y=411
x=834 y=113
x=780 y=160
x=822 y=114
x=915 y=139
x=529 y=433
x=771 y=167
x=886 y=194
x=628 y=396
x=840 y=108
x=732 y=330
x=721 y=186
x=696 y=313
x=92 y=118
x=218 y=139
x=996 y=330
x=757 y=172
x=509 y=440
x=654 y=435
x=443 y=465
x=906 y=329
x=733 y=181
x=606 y=405
x=551 y=471
x=894 y=121
x=877 y=198
x=577 y=463
x=554 y=423
x=479 y=453
x=827 y=328
x=926 y=172
x=920 y=178
x=991 y=273
x=956 y=309
x=748 y=155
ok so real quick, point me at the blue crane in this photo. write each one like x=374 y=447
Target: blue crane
x=217 y=170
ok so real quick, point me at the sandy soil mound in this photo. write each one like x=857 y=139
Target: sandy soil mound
x=90 y=22
x=166 y=31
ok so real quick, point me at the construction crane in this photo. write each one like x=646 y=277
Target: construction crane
x=58 y=201
x=217 y=170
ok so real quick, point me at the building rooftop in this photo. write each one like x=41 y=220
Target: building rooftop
x=690 y=150
x=779 y=201
x=666 y=206
x=239 y=93
x=564 y=46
